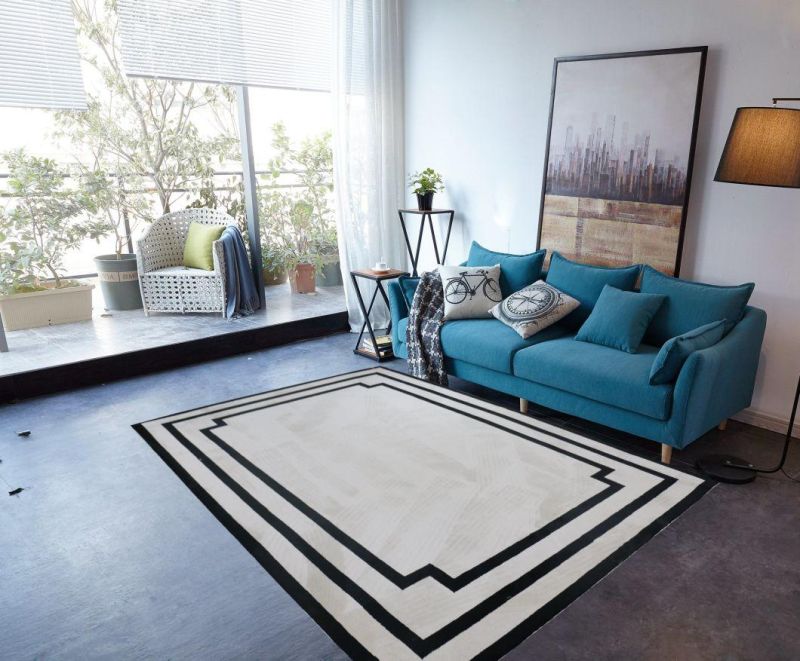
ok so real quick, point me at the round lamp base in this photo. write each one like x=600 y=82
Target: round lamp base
x=727 y=468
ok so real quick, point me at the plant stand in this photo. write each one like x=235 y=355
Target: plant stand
x=377 y=278
x=429 y=214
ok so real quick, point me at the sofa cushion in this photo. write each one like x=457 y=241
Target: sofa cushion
x=675 y=351
x=599 y=373
x=198 y=249
x=585 y=282
x=534 y=308
x=690 y=305
x=470 y=291
x=516 y=271
x=619 y=319
x=489 y=342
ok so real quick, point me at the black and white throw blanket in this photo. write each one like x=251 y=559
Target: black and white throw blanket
x=423 y=334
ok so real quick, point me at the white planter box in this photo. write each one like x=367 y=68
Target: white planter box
x=46 y=308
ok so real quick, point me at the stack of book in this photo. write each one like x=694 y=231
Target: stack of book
x=384 y=348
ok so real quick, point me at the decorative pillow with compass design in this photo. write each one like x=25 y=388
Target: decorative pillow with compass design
x=534 y=308
x=470 y=291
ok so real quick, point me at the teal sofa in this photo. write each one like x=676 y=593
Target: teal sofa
x=598 y=383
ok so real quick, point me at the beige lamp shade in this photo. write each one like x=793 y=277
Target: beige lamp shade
x=763 y=148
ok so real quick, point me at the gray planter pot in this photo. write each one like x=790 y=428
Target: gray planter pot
x=330 y=275
x=119 y=281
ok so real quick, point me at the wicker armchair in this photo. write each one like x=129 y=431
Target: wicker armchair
x=166 y=284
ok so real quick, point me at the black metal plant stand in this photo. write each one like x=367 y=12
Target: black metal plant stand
x=377 y=278
x=429 y=215
x=727 y=468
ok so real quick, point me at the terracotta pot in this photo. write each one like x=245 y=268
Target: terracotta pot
x=302 y=279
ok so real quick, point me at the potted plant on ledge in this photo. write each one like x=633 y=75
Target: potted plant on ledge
x=424 y=184
x=40 y=227
x=118 y=214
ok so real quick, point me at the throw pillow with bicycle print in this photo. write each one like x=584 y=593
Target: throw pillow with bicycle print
x=470 y=291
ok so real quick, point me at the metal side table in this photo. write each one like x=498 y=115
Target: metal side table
x=429 y=215
x=377 y=277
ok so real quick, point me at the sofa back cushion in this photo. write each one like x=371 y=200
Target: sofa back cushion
x=689 y=305
x=516 y=271
x=585 y=283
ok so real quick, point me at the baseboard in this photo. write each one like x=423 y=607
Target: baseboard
x=767 y=421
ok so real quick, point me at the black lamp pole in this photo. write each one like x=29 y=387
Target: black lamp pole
x=762 y=149
x=726 y=468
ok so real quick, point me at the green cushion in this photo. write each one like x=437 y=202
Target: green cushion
x=674 y=353
x=690 y=305
x=489 y=342
x=199 y=241
x=619 y=319
x=516 y=271
x=585 y=282
x=598 y=373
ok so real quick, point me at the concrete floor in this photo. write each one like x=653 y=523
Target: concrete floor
x=106 y=554
x=110 y=333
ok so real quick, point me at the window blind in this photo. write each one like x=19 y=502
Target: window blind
x=39 y=62
x=262 y=43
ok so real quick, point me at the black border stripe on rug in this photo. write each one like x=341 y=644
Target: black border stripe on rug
x=421 y=646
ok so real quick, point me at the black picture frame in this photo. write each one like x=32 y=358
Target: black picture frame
x=703 y=52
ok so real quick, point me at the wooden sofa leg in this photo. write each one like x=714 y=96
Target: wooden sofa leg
x=723 y=425
x=523 y=405
x=666 y=453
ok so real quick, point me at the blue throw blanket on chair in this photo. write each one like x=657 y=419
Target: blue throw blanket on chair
x=240 y=286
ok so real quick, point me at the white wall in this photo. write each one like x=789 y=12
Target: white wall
x=478 y=75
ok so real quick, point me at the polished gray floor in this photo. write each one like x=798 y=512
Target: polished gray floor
x=110 y=333
x=106 y=554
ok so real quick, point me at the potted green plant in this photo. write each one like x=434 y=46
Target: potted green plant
x=330 y=275
x=298 y=218
x=118 y=213
x=273 y=256
x=424 y=184
x=43 y=223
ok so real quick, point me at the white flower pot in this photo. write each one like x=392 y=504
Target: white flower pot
x=46 y=308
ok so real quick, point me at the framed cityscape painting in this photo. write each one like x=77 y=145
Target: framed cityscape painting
x=618 y=164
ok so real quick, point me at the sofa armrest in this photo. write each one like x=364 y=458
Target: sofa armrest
x=398 y=309
x=717 y=382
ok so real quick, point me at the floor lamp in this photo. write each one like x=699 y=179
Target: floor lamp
x=763 y=149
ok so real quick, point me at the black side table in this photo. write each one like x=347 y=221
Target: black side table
x=377 y=277
x=429 y=215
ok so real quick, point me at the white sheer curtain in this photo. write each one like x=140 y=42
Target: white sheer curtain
x=368 y=140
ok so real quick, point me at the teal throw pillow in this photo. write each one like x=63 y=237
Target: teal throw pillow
x=692 y=304
x=619 y=319
x=584 y=282
x=674 y=353
x=516 y=271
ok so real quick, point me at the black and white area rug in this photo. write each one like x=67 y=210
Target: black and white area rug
x=413 y=521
